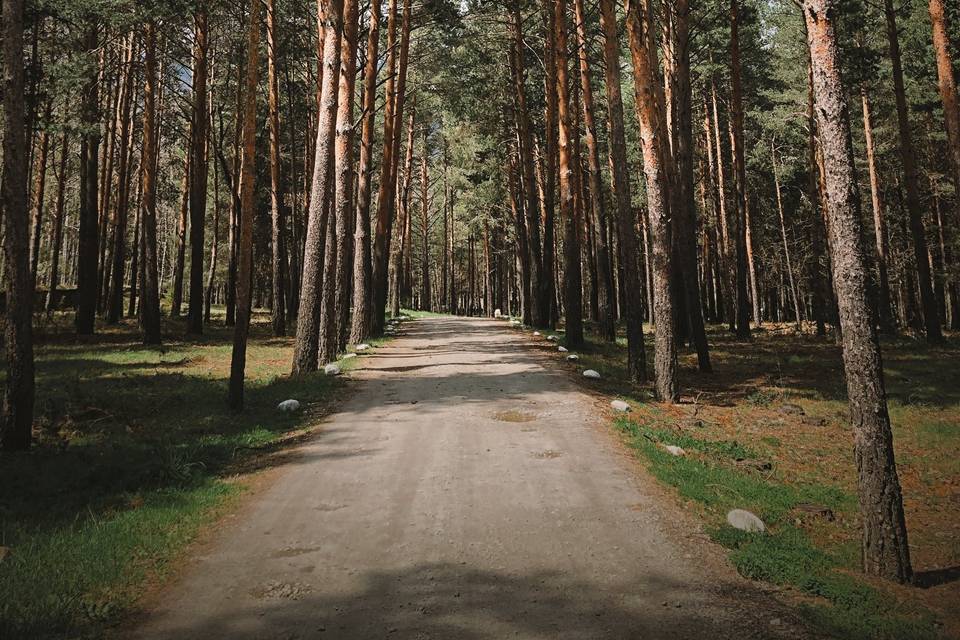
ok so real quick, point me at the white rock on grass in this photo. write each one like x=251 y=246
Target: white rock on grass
x=745 y=521
x=562 y=349
x=360 y=348
x=348 y=356
x=536 y=333
x=552 y=338
x=590 y=373
x=289 y=406
x=497 y=313
x=620 y=405
x=515 y=323
x=332 y=369
x=573 y=357
x=674 y=450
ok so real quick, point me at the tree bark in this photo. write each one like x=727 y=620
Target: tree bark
x=150 y=299
x=739 y=172
x=620 y=177
x=685 y=227
x=605 y=302
x=362 y=263
x=572 y=291
x=16 y=422
x=199 y=143
x=238 y=358
x=652 y=133
x=947 y=85
x=885 y=549
x=277 y=205
x=56 y=231
x=783 y=235
x=885 y=311
x=176 y=299
x=88 y=234
x=344 y=177
x=306 y=354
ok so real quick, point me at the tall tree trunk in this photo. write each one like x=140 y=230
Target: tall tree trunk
x=545 y=292
x=199 y=143
x=620 y=177
x=56 y=230
x=426 y=301
x=121 y=208
x=739 y=171
x=277 y=206
x=176 y=299
x=214 y=247
x=652 y=134
x=306 y=354
x=685 y=227
x=783 y=235
x=572 y=292
x=726 y=259
x=605 y=302
x=150 y=300
x=39 y=192
x=344 y=177
x=386 y=199
x=885 y=549
x=885 y=311
x=16 y=422
x=532 y=262
x=238 y=358
x=910 y=182
x=362 y=263
x=88 y=234
x=947 y=86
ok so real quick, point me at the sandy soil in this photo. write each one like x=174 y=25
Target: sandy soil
x=468 y=489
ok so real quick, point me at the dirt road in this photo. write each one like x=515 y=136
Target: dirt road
x=465 y=491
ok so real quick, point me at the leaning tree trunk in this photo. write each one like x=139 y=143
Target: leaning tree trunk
x=620 y=176
x=885 y=549
x=652 y=133
x=238 y=358
x=911 y=183
x=16 y=421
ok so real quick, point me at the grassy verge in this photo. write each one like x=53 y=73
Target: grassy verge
x=136 y=453
x=768 y=432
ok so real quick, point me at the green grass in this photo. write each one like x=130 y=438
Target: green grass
x=783 y=555
x=135 y=454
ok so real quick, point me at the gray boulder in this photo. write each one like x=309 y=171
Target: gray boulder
x=745 y=521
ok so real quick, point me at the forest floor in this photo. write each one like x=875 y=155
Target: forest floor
x=768 y=431
x=136 y=452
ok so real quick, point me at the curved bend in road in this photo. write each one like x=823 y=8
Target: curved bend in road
x=466 y=491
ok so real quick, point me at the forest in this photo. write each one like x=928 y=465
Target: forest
x=206 y=205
